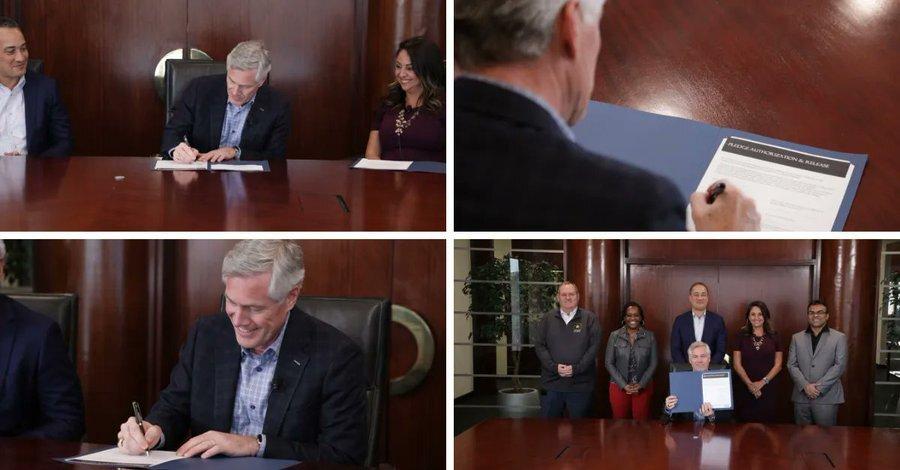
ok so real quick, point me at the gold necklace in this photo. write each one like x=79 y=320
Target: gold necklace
x=402 y=123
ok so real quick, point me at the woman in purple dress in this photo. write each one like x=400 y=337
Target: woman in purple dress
x=409 y=124
x=757 y=360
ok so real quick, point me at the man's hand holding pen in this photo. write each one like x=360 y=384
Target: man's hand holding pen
x=724 y=207
x=134 y=441
x=184 y=153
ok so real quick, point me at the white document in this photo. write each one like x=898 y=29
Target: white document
x=793 y=190
x=173 y=165
x=113 y=457
x=370 y=164
x=717 y=389
x=231 y=167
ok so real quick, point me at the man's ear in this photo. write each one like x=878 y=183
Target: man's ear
x=293 y=295
x=569 y=25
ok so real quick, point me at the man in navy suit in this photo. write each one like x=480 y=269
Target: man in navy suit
x=698 y=324
x=231 y=116
x=33 y=118
x=263 y=378
x=40 y=395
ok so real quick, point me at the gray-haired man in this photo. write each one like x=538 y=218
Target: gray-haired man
x=230 y=116
x=237 y=387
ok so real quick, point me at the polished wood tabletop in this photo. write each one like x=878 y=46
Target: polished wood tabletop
x=126 y=194
x=605 y=443
x=40 y=454
x=816 y=72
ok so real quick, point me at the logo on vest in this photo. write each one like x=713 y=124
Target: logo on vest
x=576 y=327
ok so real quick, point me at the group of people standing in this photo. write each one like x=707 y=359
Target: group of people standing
x=567 y=342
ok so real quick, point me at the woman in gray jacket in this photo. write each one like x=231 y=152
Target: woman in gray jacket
x=631 y=361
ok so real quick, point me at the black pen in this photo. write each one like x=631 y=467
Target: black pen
x=140 y=421
x=713 y=193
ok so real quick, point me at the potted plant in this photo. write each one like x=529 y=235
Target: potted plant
x=524 y=303
x=18 y=265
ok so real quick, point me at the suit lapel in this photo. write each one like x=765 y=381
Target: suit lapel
x=292 y=361
x=228 y=368
x=258 y=112
x=217 y=115
x=31 y=111
x=7 y=338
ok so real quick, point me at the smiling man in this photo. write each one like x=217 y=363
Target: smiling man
x=566 y=342
x=230 y=116
x=698 y=324
x=33 y=119
x=263 y=378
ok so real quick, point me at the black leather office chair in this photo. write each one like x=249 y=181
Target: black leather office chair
x=367 y=322
x=180 y=72
x=36 y=65
x=62 y=308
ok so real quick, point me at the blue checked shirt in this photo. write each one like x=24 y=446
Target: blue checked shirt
x=254 y=386
x=235 y=117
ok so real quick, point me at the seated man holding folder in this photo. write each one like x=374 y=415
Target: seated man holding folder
x=699 y=355
x=231 y=116
x=263 y=378
x=527 y=75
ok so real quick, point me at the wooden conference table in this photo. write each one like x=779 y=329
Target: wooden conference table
x=39 y=454
x=89 y=193
x=816 y=72
x=604 y=443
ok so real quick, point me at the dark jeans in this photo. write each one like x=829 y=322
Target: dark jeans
x=578 y=404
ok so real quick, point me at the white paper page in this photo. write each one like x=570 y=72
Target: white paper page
x=717 y=389
x=172 y=165
x=369 y=164
x=716 y=453
x=114 y=456
x=230 y=167
x=793 y=190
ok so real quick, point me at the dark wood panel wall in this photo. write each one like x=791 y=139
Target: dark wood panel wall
x=786 y=274
x=332 y=59
x=138 y=298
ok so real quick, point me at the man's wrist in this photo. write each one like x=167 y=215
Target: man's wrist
x=260 y=445
x=237 y=152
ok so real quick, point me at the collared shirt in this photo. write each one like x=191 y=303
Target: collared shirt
x=12 y=119
x=233 y=126
x=698 y=324
x=563 y=125
x=567 y=317
x=254 y=386
x=815 y=338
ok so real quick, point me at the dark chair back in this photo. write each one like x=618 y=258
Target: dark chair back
x=62 y=308
x=180 y=72
x=36 y=65
x=367 y=322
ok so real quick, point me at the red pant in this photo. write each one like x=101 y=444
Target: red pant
x=625 y=406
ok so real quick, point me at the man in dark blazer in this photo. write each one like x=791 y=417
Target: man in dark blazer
x=709 y=325
x=33 y=118
x=40 y=395
x=526 y=77
x=230 y=116
x=263 y=378
x=699 y=358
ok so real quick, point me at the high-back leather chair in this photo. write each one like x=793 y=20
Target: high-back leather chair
x=62 y=308
x=180 y=72
x=367 y=322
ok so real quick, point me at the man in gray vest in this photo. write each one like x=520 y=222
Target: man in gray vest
x=816 y=362
x=566 y=341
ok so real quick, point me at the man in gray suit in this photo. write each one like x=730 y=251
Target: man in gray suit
x=816 y=361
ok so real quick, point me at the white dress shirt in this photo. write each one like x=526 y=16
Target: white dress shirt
x=568 y=316
x=698 y=324
x=12 y=119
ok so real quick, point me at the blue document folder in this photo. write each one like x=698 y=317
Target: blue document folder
x=688 y=387
x=227 y=463
x=415 y=167
x=681 y=149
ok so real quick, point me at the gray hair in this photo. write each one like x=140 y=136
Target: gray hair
x=283 y=258
x=2 y=250
x=492 y=32
x=699 y=344
x=250 y=55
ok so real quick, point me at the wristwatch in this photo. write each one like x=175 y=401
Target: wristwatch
x=766 y=380
x=237 y=153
